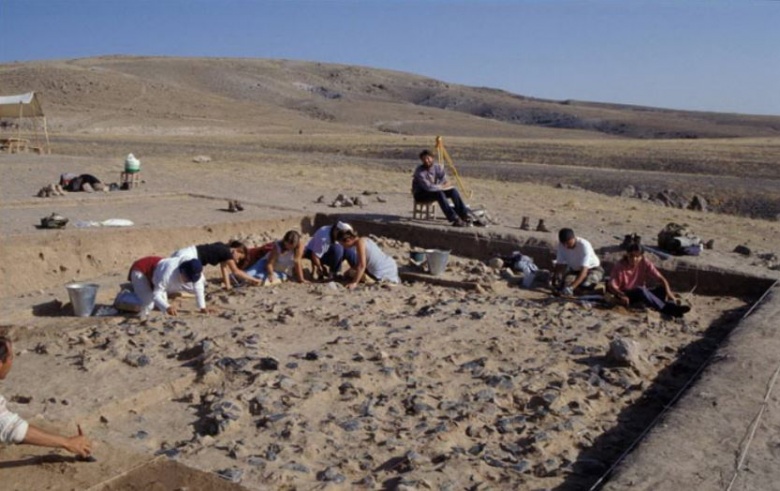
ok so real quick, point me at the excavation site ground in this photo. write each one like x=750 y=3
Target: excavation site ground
x=459 y=381
x=462 y=381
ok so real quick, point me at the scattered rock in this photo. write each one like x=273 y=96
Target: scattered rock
x=743 y=250
x=698 y=203
x=628 y=192
x=624 y=352
x=232 y=475
x=201 y=159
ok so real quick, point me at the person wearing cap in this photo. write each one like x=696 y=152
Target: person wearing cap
x=632 y=282
x=370 y=262
x=154 y=277
x=430 y=184
x=326 y=253
x=229 y=257
x=14 y=429
x=576 y=264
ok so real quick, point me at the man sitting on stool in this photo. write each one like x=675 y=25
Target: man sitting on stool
x=430 y=184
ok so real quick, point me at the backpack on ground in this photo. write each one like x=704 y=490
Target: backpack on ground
x=678 y=239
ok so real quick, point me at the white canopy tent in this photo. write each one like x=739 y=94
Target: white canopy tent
x=23 y=106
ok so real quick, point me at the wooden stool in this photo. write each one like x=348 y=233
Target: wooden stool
x=424 y=210
x=129 y=180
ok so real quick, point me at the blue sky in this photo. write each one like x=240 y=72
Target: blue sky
x=714 y=55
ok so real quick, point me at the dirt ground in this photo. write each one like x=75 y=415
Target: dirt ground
x=414 y=386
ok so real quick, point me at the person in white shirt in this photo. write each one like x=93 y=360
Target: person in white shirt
x=576 y=264
x=154 y=277
x=14 y=429
x=326 y=253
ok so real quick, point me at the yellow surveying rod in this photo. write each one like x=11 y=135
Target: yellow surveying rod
x=442 y=154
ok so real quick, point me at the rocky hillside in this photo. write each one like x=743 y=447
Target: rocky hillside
x=247 y=96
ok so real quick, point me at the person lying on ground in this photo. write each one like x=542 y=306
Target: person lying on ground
x=576 y=264
x=430 y=184
x=227 y=256
x=326 y=253
x=285 y=258
x=14 y=429
x=84 y=182
x=635 y=281
x=371 y=262
x=154 y=277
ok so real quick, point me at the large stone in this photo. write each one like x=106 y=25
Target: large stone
x=628 y=192
x=698 y=203
x=625 y=352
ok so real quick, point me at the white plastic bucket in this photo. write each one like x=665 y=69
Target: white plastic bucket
x=132 y=164
x=437 y=261
x=82 y=298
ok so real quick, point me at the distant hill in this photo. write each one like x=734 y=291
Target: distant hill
x=248 y=96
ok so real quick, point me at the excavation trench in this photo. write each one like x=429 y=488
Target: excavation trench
x=375 y=350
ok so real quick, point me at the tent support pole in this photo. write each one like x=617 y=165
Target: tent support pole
x=46 y=134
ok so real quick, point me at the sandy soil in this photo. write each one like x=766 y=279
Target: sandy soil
x=307 y=386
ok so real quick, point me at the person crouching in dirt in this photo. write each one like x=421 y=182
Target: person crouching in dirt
x=326 y=253
x=371 y=262
x=430 y=184
x=576 y=264
x=227 y=256
x=84 y=182
x=629 y=282
x=13 y=429
x=284 y=258
x=154 y=277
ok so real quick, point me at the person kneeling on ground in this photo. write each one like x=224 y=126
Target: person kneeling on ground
x=326 y=253
x=577 y=265
x=154 y=277
x=227 y=256
x=285 y=257
x=14 y=429
x=84 y=182
x=629 y=283
x=370 y=260
x=430 y=184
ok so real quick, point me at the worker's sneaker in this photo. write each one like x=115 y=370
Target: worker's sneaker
x=459 y=223
x=674 y=310
x=238 y=205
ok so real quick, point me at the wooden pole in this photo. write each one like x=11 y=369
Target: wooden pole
x=19 y=125
x=46 y=134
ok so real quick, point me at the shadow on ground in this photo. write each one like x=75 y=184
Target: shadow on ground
x=592 y=468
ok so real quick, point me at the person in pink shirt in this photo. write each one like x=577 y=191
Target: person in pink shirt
x=636 y=281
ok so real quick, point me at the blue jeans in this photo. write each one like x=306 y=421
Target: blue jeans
x=452 y=212
x=645 y=296
x=258 y=270
x=334 y=256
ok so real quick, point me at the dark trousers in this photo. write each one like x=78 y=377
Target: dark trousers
x=645 y=296
x=452 y=212
x=334 y=256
